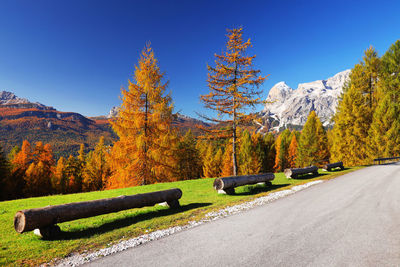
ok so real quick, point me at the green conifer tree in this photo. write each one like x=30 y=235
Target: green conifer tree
x=245 y=154
x=352 y=121
x=189 y=164
x=384 y=133
x=313 y=144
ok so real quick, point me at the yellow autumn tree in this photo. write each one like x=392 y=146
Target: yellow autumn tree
x=227 y=169
x=144 y=152
x=233 y=85
x=292 y=152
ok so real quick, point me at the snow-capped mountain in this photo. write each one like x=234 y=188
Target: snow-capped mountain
x=9 y=99
x=286 y=106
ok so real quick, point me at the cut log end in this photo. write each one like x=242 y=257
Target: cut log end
x=218 y=184
x=19 y=222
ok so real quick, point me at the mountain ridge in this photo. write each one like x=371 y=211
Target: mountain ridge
x=287 y=107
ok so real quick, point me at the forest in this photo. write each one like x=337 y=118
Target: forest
x=150 y=150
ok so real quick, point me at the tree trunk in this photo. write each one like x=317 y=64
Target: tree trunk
x=235 y=181
x=28 y=220
x=330 y=166
x=293 y=173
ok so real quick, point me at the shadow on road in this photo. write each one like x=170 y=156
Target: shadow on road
x=120 y=223
x=255 y=189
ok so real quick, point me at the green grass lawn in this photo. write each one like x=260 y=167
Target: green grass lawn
x=198 y=198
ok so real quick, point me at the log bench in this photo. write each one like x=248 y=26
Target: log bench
x=44 y=219
x=379 y=160
x=328 y=167
x=295 y=172
x=227 y=185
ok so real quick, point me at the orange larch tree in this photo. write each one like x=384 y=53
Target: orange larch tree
x=233 y=85
x=292 y=152
x=144 y=152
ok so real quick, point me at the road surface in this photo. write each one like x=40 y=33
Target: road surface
x=353 y=220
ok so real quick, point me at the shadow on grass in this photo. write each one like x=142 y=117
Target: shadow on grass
x=255 y=189
x=120 y=223
x=309 y=176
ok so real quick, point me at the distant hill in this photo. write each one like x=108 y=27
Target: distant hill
x=21 y=119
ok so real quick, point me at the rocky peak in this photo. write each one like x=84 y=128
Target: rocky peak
x=286 y=106
x=10 y=100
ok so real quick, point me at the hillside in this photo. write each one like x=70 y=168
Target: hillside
x=65 y=131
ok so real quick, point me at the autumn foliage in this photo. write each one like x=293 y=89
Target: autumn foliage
x=232 y=83
x=144 y=152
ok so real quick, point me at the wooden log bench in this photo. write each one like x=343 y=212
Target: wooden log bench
x=295 y=172
x=379 y=160
x=227 y=185
x=330 y=166
x=44 y=219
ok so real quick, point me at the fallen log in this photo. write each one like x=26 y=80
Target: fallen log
x=45 y=218
x=328 y=167
x=227 y=185
x=295 y=172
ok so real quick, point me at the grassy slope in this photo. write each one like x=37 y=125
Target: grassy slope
x=198 y=198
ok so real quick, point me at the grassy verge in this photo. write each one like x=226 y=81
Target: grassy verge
x=198 y=198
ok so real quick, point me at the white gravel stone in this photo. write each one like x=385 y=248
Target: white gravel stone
x=79 y=259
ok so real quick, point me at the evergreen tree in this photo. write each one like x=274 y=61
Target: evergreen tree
x=232 y=84
x=74 y=174
x=245 y=154
x=97 y=169
x=188 y=157
x=144 y=153
x=313 y=144
x=14 y=151
x=270 y=153
x=4 y=175
x=350 y=134
x=384 y=133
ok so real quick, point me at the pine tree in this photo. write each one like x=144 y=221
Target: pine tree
x=292 y=152
x=384 y=133
x=313 y=144
x=74 y=174
x=245 y=154
x=352 y=121
x=232 y=84
x=4 y=175
x=270 y=153
x=188 y=157
x=144 y=152
x=97 y=169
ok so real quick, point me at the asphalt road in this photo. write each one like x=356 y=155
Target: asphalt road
x=353 y=220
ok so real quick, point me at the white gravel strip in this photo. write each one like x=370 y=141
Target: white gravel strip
x=79 y=259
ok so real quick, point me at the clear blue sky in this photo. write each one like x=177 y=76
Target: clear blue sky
x=75 y=55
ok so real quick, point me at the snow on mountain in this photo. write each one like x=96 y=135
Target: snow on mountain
x=286 y=106
x=9 y=99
